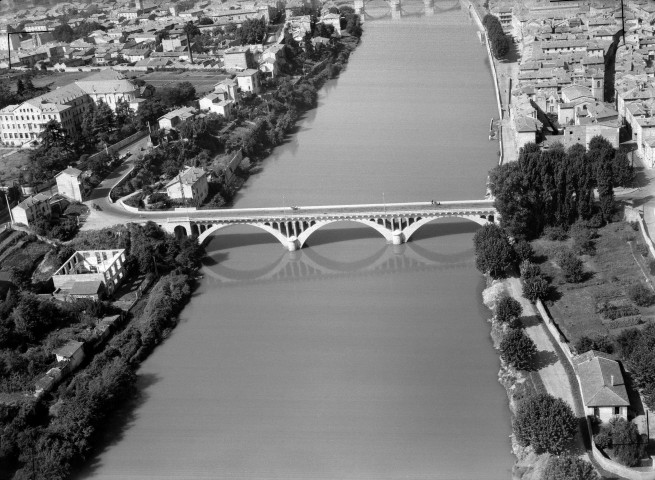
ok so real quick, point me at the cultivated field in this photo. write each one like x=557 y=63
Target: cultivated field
x=617 y=264
x=203 y=81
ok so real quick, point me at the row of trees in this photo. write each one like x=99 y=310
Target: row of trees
x=65 y=33
x=555 y=187
x=500 y=43
x=25 y=90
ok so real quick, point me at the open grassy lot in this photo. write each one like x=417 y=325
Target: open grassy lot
x=11 y=165
x=203 y=81
x=616 y=265
x=58 y=79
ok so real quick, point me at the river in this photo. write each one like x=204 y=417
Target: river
x=350 y=359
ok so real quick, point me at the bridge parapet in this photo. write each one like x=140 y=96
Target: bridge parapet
x=293 y=226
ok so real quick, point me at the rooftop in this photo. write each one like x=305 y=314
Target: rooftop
x=601 y=380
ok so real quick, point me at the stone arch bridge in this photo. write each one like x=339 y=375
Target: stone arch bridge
x=292 y=226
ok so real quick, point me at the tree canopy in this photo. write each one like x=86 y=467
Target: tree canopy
x=493 y=253
x=568 y=467
x=544 y=422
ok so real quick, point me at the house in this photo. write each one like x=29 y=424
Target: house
x=27 y=211
x=239 y=58
x=527 y=130
x=190 y=184
x=174 y=118
x=603 y=390
x=89 y=273
x=248 y=81
x=72 y=353
x=68 y=183
x=217 y=104
x=104 y=328
x=230 y=88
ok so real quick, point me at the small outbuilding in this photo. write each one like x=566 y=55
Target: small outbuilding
x=72 y=353
x=68 y=183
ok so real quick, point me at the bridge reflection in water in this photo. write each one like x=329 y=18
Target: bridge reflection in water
x=319 y=264
x=398 y=9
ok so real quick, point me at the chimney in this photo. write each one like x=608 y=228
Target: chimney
x=612 y=380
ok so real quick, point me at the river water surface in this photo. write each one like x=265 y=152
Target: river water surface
x=350 y=359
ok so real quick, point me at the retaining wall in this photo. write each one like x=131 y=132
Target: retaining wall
x=126 y=141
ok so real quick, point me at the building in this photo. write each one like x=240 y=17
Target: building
x=72 y=353
x=229 y=89
x=174 y=118
x=110 y=86
x=603 y=390
x=216 y=104
x=87 y=273
x=238 y=58
x=190 y=184
x=27 y=211
x=248 y=81
x=68 y=183
x=21 y=124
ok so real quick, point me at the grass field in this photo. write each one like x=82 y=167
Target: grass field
x=59 y=79
x=203 y=81
x=11 y=165
x=615 y=266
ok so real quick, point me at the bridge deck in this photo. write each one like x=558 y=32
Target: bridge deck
x=472 y=207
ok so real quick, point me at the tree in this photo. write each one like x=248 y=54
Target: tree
x=63 y=33
x=493 y=253
x=535 y=288
x=568 y=467
x=523 y=250
x=544 y=422
x=600 y=343
x=641 y=295
x=518 y=350
x=624 y=439
x=191 y=29
x=508 y=310
x=252 y=31
x=205 y=21
x=571 y=265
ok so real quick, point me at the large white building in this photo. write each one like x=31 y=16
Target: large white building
x=21 y=124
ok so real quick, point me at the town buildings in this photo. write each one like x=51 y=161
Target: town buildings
x=32 y=208
x=69 y=182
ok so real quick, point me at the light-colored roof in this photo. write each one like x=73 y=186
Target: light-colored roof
x=33 y=200
x=73 y=172
x=188 y=177
x=69 y=349
x=601 y=380
x=106 y=81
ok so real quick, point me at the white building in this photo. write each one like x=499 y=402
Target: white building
x=27 y=211
x=110 y=86
x=20 y=124
x=216 y=104
x=190 y=184
x=68 y=183
x=248 y=81
x=174 y=118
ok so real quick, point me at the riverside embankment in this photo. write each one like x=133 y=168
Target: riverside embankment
x=348 y=359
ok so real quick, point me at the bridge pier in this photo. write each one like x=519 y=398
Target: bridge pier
x=359 y=9
x=429 y=7
x=396 y=14
x=397 y=237
x=293 y=244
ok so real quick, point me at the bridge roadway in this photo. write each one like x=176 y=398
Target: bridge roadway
x=292 y=226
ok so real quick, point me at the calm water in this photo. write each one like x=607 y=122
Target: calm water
x=351 y=359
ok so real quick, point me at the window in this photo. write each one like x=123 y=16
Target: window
x=617 y=410
x=596 y=412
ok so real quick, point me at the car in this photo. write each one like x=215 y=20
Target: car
x=293 y=207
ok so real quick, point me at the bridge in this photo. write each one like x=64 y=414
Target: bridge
x=397 y=9
x=292 y=226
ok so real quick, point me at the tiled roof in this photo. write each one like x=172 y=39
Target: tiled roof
x=33 y=200
x=188 y=177
x=73 y=172
x=601 y=380
x=69 y=349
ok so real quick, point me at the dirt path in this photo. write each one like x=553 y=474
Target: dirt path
x=550 y=367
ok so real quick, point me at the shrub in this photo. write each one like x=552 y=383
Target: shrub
x=583 y=239
x=624 y=439
x=529 y=269
x=651 y=267
x=524 y=251
x=642 y=250
x=571 y=266
x=603 y=439
x=493 y=253
x=641 y=295
x=602 y=343
x=535 y=288
x=568 y=467
x=555 y=233
x=544 y=422
x=518 y=350
x=508 y=310
x=627 y=322
x=613 y=312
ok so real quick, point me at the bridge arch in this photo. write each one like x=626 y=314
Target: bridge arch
x=411 y=229
x=277 y=234
x=385 y=232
